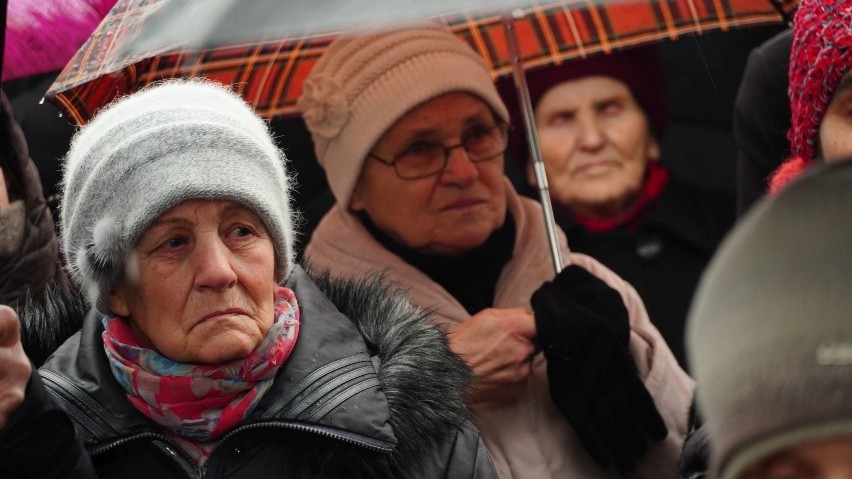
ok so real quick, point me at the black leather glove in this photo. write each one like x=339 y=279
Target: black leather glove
x=583 y=330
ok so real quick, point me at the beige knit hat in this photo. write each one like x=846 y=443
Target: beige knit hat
x=364 y=83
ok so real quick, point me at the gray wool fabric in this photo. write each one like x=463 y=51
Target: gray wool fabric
x=150 y=151
x=769 y=335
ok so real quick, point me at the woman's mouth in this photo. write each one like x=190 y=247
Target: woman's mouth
x=462 y=204
x=593 y=168
x=222 y=314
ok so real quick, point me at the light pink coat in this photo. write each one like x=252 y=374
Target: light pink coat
x=527 y=438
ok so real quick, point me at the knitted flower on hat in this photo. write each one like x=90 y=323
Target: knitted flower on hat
x=820 y=56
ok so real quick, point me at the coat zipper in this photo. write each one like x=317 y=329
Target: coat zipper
x=176 y=448
x=350 y=439
x=211 y=471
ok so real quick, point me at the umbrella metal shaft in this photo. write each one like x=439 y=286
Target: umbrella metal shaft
x=532 y=140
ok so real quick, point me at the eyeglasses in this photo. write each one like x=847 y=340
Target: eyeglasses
x=424 y=158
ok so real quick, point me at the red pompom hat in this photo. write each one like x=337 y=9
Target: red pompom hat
x=821 y=54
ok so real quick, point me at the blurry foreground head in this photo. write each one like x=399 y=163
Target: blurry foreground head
x=820 y=87
x=154 y=150
x=769 y=334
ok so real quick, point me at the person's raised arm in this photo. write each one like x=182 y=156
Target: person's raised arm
x=37 y=438
x=15 y=368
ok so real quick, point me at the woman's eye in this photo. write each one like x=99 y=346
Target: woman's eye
x=174 y=243
x=418 y=147
x=610 y=107
x=241 y=231
x=476 y=133
x=561 y=118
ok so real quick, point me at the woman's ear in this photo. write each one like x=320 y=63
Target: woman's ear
x=118 y=304
x=654 y=151
x=356 y=202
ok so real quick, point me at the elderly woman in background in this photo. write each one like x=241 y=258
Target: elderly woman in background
x=601 y=122
x=210 y=353
x=411 y=133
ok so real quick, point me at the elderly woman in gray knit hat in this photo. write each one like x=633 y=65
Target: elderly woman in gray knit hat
x=770 y=337
x=411 y=133
x=208 y=352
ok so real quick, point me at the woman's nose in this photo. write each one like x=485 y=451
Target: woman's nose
x=460 y=171
x=592 y=136
x=215 y=269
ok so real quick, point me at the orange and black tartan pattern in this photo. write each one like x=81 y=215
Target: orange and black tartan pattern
x=269 y=73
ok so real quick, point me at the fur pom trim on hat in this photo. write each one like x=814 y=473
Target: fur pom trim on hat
x=787 y=172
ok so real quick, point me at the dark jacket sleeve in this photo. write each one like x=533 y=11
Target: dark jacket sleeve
x=762 y=118
x=40 y=440
x=466 y=457
x=696 y=455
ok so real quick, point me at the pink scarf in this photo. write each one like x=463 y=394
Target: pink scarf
x=197 y=402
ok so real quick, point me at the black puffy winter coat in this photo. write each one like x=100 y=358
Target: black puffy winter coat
x=379 y=395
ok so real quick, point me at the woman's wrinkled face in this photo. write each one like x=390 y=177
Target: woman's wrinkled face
x=835 y=130
x=828 y=459
x=596 y=142
x=199 y=285
x=446 y=214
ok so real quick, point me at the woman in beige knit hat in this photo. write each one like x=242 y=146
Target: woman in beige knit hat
x=411 y=133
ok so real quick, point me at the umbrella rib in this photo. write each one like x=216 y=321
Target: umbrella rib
x=669 y=19
x=548 y=34
x=477 y=38
x=279 y=89
x=695 y=18
x=596 y=19
x=574 y=31
x=720 y=13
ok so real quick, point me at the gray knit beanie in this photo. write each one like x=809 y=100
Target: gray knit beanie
x=364 y=83
x=152 y=150
x=769 y=335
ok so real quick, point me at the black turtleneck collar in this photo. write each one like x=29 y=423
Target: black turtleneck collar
x=472 y=277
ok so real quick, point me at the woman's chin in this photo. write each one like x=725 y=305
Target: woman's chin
x=223 y=350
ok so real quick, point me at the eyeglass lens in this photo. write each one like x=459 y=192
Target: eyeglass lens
x=429 y=158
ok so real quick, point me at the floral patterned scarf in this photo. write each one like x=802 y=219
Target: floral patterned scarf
x=197 y=403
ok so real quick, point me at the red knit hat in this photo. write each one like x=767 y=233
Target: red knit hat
x=820 y=56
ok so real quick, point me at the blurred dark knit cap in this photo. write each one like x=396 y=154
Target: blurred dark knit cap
x=639 y=68
x=769 y=335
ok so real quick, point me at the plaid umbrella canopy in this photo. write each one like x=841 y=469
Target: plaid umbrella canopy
x=135 y=43
x=266 y=48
